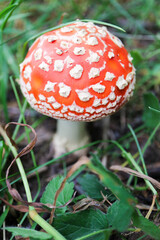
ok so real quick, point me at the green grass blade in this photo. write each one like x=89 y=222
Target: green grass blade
x=139 y=149
x=155 y=110
x=103 y=23
x=4 y=214
x=5 y=11
x=150 y=138
x=1 y=153
x=64 y=24
x=132 y=161
x=10 y=59
x=3 y=80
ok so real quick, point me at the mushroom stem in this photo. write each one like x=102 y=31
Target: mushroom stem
x=69 y=136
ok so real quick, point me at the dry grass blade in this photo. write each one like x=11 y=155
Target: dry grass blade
x=39 y=207
x=145 y=207
x=151 y=207
x=21 y=238
x=30 y=146
x=135 y=173
x=23 y=208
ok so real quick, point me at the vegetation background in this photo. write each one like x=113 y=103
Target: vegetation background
x=134 y=130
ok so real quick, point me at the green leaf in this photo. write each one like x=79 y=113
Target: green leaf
x=77 y=225
x=93 y=190
x=119 y=215
x=137 y=57
x=64 y=196
x=111 y=181
x=151 y=118
x=146 y=226
x=24 y=232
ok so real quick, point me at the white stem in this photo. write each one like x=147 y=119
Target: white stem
x=69 y=136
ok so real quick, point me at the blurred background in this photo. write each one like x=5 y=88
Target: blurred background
x=22 y=20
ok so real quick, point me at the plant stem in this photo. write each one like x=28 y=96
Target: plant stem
x=45 y=225
x=32 y=212
x=19 y=164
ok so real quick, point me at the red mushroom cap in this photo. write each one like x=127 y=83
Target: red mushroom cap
x=79 y=72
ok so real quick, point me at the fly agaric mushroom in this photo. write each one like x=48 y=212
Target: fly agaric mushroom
x=80 y=72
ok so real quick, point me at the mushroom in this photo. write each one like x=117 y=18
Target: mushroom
x=81 y=73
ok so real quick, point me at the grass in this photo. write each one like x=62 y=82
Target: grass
x=20 y=22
